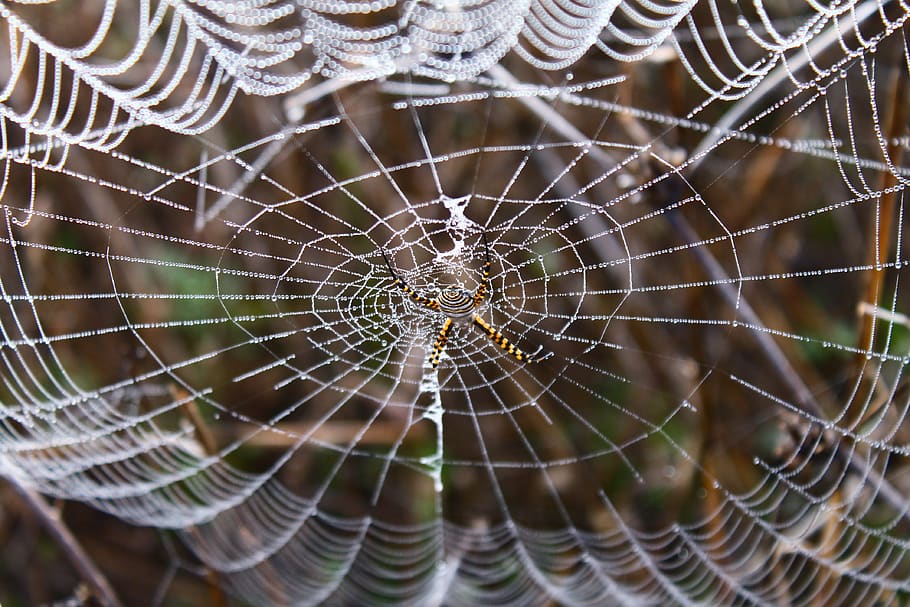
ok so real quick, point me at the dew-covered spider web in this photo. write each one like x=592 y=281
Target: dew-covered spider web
x=693 y=215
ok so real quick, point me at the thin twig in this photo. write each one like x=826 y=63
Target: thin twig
x=210 y=446
x=726 y=126
x=64 y=538
x=806 y=401
x=295 y=108
x=882 y=229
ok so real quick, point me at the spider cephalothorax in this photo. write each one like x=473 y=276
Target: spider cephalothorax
x=457 y=303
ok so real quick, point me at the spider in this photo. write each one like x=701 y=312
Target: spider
x=459 y=305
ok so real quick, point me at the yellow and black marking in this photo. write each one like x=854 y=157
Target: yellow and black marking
x=482 y=289
x=414 y=295
x=481 y=293
x=502 y=341
x=441 y=340
x=455 y=302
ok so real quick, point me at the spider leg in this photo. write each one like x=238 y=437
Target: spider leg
x=441 y=340
x=481 y=293
x=502 y=341
x=401 y=284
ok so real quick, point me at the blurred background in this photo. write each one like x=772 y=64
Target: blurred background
x=218 y=389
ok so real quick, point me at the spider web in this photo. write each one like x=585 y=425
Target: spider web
x=200 y=332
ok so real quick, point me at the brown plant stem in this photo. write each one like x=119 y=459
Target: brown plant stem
x=64 y=538
x=882 y=230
